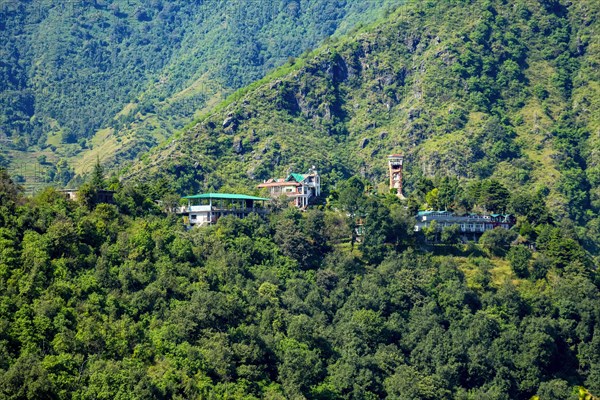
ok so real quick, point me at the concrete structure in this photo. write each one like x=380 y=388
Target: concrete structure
x=204 y=209
x=470 y=224
x=102 y=196
x=301 y=189
x=395 y=162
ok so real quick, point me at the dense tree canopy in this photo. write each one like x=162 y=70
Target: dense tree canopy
x=120 y=301
x=494 y=105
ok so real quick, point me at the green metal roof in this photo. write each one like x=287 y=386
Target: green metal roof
x=223 y=196
x=297 y=177
x=429 y=212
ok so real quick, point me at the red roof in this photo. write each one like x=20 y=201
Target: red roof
x=272 y=184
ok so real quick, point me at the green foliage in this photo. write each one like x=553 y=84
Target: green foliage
x=450 y=234
x=121 y=301
x=432 y=199
x=556 y=389
x=519 y=257
x=376 y=231
x=351 y=200
x=531 y=206
x=561 y=248
x=9 y=198
x=301 y=236
x=540 y=267
x=144 y=69
x=497 y=240
x=98 y=176
x=494 y=196
x=432 y=231
x=87 y=195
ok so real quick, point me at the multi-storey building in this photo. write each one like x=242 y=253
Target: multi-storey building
x=395 y=164
x=300 y=189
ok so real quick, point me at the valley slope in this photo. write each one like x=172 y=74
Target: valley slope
x=111 y=78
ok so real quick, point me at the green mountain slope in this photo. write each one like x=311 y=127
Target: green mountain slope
x=117 y=76
x=475 y=89
x=121 y=301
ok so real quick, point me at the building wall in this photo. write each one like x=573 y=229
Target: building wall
x=300 y=195
x=211 y=216
x=199 y=218
x=468 y=224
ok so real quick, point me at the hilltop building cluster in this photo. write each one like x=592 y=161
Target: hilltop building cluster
x=301 y=190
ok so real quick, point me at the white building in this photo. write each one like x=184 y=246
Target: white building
x=299 y=188
x=474 y=224
x=204 y=209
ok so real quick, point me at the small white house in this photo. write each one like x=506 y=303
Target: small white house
x=204 y=209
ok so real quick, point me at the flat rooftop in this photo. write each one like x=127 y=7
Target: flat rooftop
x=226 y=196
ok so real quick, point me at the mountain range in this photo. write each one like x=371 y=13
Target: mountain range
x=111 y=78
x=469 y=89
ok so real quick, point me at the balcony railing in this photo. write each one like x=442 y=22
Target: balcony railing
x=247 y=210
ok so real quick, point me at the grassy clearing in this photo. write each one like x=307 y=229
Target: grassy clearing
x=499 y=269
x=502 y=272
x=103 y=143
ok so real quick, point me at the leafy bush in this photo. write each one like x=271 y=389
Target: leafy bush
x=497 y=241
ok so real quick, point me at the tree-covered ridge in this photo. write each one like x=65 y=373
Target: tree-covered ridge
x=473 y=89
x=120 y=301
x=70 y=68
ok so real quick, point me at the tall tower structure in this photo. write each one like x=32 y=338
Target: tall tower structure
x=395 y=164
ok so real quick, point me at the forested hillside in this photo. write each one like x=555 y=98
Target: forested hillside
x=468 y=89
x=102 y=301
x=494 y=105
x=131 y=72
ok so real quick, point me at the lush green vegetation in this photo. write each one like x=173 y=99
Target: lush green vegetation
x=493 y=103
x=120 y=301
x=504 y=93
x=142 y=68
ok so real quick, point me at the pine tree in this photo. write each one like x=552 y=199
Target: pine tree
x=98 y=175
